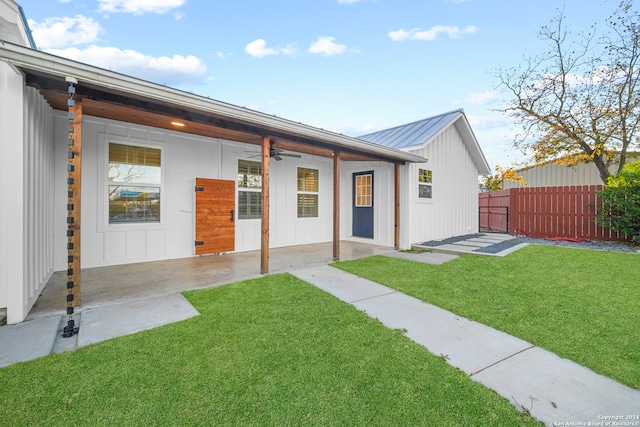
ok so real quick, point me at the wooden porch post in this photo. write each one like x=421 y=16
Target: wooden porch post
x=74 y=181
x=74 y=193
x=264 y=245
x=396 y=214
x=336 y=205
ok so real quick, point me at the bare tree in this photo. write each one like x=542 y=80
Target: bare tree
x=580 y=99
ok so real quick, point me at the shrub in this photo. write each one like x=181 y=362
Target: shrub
x=621 y=199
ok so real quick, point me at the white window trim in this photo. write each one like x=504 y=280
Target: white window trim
x=370 y=204
x=247 y=189
x=313 y=193
x=103 y=185
x=419 y=199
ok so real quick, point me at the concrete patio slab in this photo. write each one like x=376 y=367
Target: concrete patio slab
x=103 y=323
x=486 y=241
x=28 y=340
x=495 y=237
x=476 y=244
x=113 y=298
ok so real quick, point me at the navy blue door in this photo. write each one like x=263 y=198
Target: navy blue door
x=363 y=204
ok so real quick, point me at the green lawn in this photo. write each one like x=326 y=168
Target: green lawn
x=270 y=351
x=583 y=305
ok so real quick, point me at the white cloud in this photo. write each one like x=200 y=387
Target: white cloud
x=431 y=34
x=140 y=7
x=289 y=50
x=327 y=46
x=61 y=32
x=166 y=70
x=480 y=98
x=259 y=49
x=348 y=1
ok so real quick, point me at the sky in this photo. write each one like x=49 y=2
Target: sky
x=348 y=66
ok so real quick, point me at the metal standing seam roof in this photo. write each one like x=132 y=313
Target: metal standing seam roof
x=413 y=134
x=418 y=134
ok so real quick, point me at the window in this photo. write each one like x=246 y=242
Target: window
x=134 y=178
x=307 y=193
x=249 y=189
x=363 y=191
x=424 y=183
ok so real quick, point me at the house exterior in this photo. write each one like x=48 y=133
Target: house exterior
x=103 y=169
x=438 y=194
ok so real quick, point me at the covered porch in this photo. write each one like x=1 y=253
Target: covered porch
x=104 y=286
x=81 y=104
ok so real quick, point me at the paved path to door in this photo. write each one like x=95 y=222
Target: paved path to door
x=550 y=388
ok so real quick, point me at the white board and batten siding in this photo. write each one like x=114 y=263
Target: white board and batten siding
x=184 y=158
x=27 y=153
x=26 y=223
x=453 y=209
x=383 y=202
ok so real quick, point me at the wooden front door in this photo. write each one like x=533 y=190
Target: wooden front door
x=215 y=216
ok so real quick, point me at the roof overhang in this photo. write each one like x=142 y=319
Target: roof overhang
x=116 y=96
x=463 y=126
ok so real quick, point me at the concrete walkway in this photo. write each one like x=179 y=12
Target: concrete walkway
x=119 y=300
x=41 y=337
x=534 y=380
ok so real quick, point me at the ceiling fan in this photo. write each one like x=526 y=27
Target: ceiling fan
x=278 y=153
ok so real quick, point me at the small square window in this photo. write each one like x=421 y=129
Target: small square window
x=249 y=205
x=424 y=191
x=425 y=179
x=307 y=205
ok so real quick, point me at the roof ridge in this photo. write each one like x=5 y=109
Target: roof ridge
x=459 y=110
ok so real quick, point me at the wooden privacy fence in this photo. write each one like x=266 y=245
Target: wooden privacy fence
x=547 y=212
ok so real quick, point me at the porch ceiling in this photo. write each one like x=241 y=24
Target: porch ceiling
x=110 y=95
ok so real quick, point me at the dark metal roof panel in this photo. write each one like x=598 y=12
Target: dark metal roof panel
x=412 y=134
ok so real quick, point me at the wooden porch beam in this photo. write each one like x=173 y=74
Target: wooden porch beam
x=336 y=205
x=396 y=213
x=264 y=244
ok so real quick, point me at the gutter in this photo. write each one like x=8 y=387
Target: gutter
x=55 y=65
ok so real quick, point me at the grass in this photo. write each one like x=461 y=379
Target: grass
x=579 y=304
x=270 y=351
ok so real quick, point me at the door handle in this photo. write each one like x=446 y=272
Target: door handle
x=232 y=215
